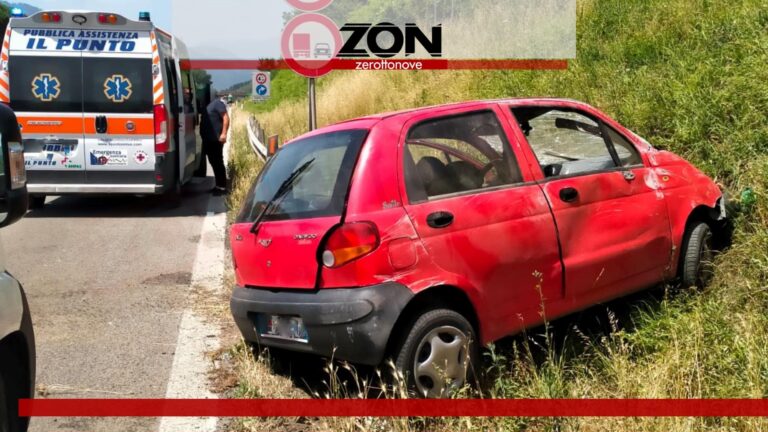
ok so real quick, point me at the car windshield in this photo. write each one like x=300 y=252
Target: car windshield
x=306 y=179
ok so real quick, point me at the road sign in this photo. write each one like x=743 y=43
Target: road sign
x=262 y=85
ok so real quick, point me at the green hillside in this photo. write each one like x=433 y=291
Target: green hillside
x=691 y=77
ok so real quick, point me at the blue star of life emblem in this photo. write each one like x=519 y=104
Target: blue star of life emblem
x=118 y=88
x=46 y=87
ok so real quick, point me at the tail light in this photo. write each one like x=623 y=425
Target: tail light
x=161 y=129
x=18 y=171
x=51 y=17
x=349 y=242
x=107 y=19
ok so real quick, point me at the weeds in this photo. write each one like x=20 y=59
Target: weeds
x=689 y=76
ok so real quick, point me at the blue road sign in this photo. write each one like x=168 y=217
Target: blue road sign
x=261 y=90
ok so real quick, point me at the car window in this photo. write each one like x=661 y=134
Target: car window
x=117 y=85
x=46 y=84
x=565 y=142
x=627 y=152
x=458 y=154
x=316 y=171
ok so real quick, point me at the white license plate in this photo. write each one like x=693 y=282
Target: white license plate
x=285 y=327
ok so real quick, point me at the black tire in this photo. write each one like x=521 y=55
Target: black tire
x=10 y=392
x=696 y=268
x=173 y=195
x=449 y=327
x=5 y=420
x=36 y=202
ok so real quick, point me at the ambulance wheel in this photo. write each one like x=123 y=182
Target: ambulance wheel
x=36 y=202
x=173 y=196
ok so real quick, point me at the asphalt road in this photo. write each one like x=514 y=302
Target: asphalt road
x=107 y=280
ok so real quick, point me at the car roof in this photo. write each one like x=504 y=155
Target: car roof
x=367 y=122
x=469 y=104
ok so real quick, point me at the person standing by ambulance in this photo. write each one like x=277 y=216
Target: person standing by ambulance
x=213 y=130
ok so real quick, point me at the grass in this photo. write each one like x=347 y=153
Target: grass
x=688 y=75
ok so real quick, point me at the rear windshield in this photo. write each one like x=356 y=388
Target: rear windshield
x=47 y=84
x=324 y=164
x=117 y=85
x=75 y=84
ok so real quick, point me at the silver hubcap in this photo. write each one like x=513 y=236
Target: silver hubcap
x=441 y=362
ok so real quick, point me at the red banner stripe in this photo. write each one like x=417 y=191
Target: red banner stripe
x=343 y=64
x=394 y=408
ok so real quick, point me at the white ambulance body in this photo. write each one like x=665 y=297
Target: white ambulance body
x=104 y=104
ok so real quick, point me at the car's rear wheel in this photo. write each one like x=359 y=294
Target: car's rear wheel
x=9 y=422
x=697 y=256
x=4 y=418
x=437 y=357
x=36 y=201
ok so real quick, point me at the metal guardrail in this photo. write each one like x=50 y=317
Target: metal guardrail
x=257 y=137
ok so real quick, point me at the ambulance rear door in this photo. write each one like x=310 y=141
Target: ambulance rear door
x=46 y=94
x=118 y=111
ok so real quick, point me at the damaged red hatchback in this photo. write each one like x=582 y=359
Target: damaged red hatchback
x=420 y=235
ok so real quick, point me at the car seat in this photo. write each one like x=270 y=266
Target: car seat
x=437 y=178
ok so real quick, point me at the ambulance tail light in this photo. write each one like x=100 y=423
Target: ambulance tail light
x=161 y=129
x=48 y=17
x=107 y=18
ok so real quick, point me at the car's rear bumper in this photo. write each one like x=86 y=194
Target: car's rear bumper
x=351 y=324
x=63 y=189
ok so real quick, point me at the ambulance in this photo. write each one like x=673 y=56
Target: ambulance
x=104 y=103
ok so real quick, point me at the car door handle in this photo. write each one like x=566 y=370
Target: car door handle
x=569 y=194
x=440 y=219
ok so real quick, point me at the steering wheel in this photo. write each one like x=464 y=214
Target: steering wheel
x=496 y=164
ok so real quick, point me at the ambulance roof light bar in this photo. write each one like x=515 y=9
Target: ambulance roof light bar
x=17 y=12
x=144 y=16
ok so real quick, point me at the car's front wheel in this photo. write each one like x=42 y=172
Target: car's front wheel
x=5 y=417
x=697 y=256
x=438 y=354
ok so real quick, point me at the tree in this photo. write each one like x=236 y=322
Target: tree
x=5 y=15
x=202 y=78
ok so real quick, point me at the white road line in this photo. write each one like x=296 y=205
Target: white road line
x=189 y=373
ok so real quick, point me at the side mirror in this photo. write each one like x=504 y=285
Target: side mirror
x=13 y=177
x=552 y=170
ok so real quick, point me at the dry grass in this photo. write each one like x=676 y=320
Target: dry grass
x=687 y=75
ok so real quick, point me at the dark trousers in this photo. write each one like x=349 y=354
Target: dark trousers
x=215 y=152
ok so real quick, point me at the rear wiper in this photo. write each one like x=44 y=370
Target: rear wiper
x=280 y=193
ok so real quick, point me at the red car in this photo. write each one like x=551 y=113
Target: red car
x=421 y=234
